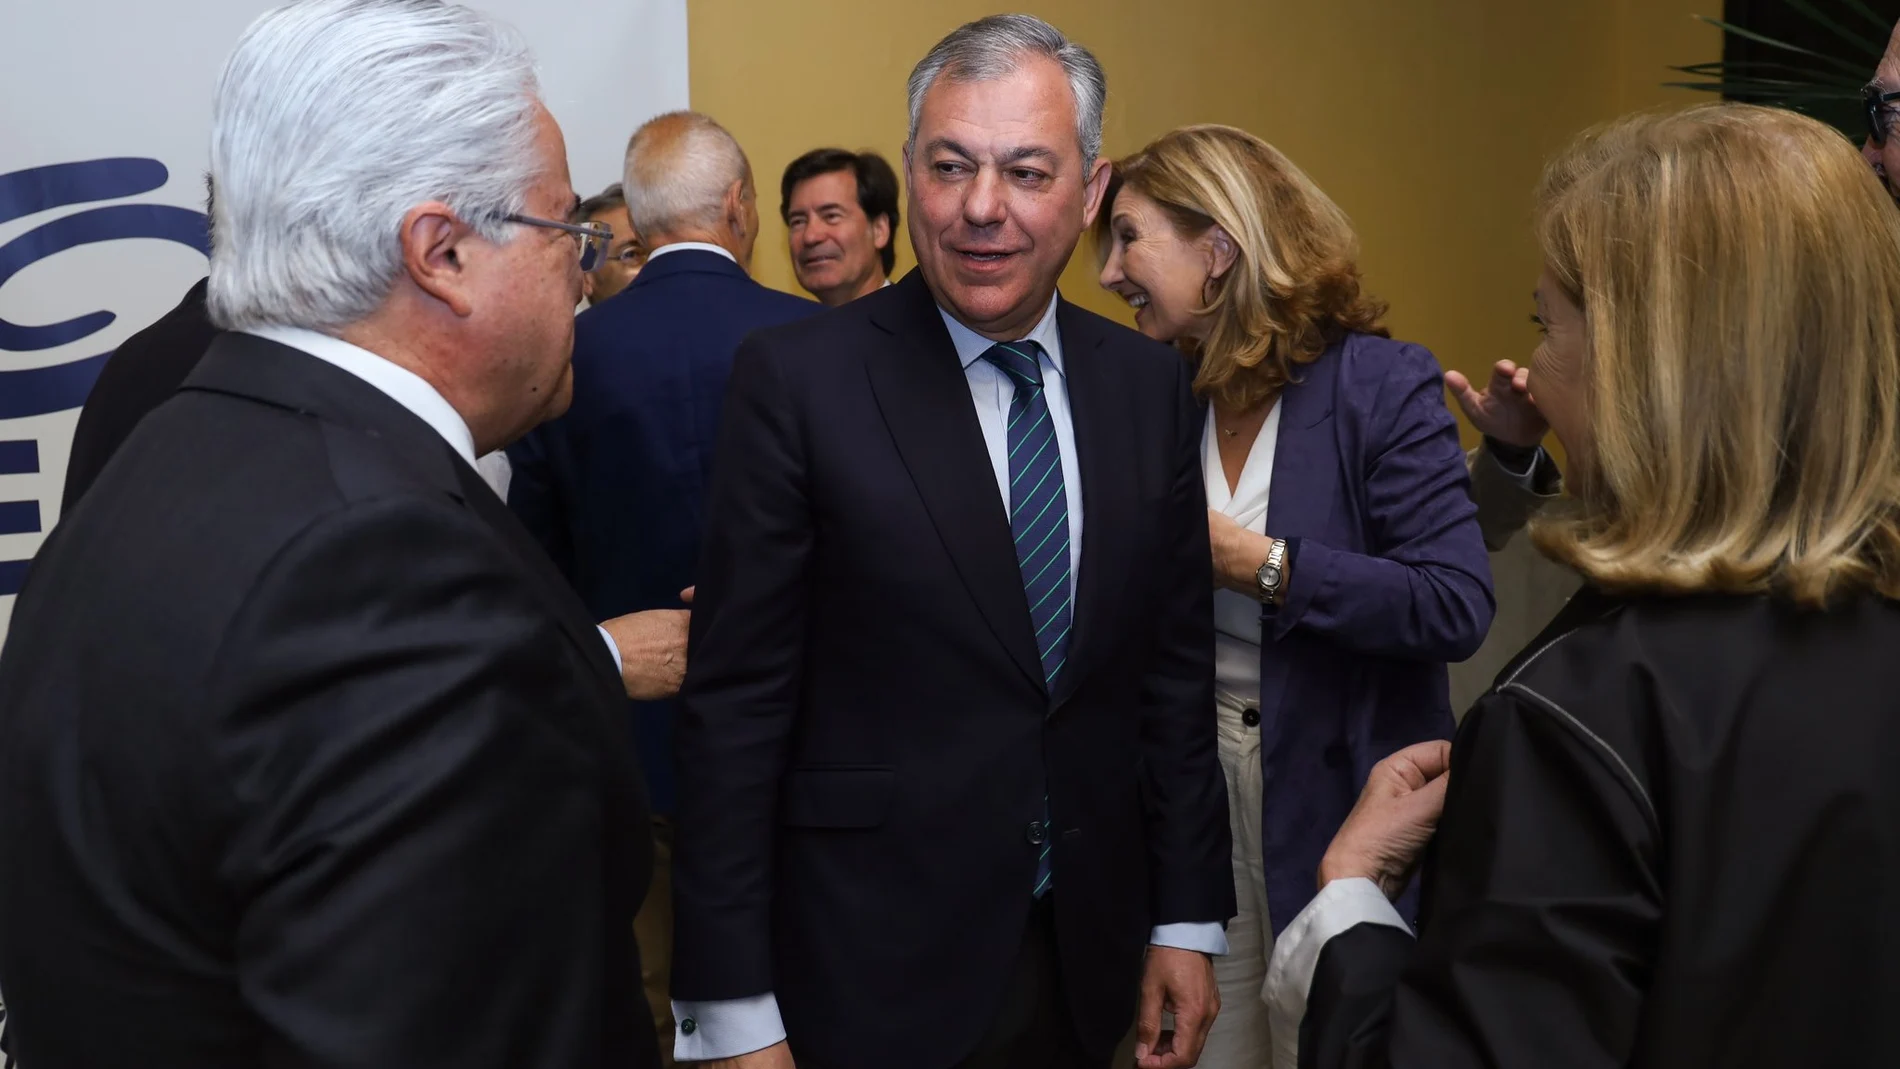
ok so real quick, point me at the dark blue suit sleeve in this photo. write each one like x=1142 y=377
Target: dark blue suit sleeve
x=1425 y=589
x=534 y=496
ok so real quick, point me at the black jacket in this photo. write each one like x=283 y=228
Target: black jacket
x=1672 y=838
x=309 y=758
x=146 y=369
x=865 y=739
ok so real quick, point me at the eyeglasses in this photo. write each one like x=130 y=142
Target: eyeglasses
x=593 y=237
x=1878 y=113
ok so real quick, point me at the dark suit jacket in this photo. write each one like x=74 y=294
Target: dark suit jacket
x=1671 y=838
x=1389 y=581
x=145 y=370
x=614 y=490
x=309 y=759
x=864 y=716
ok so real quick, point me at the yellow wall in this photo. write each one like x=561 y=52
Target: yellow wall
x=1428 y=122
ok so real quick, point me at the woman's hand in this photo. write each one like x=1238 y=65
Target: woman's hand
x=1386 y=832
x=1238 y=554
x=1504 y=409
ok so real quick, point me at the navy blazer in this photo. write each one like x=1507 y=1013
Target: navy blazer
x=1388 y=581
x=614 y=489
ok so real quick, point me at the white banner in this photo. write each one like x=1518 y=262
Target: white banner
x=104 y=116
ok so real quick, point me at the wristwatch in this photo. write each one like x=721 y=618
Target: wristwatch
x=1271 y=577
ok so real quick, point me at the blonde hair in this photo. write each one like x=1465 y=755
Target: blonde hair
x=1738 y=268
x=1294 y=288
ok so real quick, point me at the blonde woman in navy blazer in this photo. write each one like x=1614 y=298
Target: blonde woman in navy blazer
x=1348 y=563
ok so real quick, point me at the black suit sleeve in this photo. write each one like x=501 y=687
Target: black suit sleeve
x=741 y=693
x=1190 y=845
x=1543 y=901
x=417 y=866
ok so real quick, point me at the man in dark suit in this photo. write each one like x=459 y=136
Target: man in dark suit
x=145 y=369
x=615 y=488
x=308 y=757
x=949 y=789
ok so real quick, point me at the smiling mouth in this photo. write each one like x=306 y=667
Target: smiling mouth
x=1137 y=301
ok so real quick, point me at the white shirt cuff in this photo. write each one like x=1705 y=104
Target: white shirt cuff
x=725 y=1028
x=1208 y=937
x=1339 y=906
x=613 y=649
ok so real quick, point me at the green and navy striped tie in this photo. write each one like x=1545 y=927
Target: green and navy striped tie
x=1039 y=524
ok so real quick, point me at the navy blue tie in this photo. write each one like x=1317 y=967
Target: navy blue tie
x=1039 y=524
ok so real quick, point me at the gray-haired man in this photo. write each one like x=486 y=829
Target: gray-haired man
x=949 y=793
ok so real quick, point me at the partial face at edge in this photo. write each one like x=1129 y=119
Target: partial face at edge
x=1559 y=378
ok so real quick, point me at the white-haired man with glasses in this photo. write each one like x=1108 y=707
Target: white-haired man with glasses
x=308 y=757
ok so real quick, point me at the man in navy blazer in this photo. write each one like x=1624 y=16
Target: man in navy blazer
x=949 y=792
x=614 y=489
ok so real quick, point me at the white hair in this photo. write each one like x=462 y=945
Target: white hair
x=333 y=118
x=994 y=47
x=679 y=166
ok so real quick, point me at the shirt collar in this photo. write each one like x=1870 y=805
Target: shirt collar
x=698 y=246
x=971 y=346
x=403 y=386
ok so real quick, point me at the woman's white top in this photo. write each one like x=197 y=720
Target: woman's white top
x=1237 y=616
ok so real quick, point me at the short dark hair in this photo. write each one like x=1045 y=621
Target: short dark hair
x=877 y=188
x=605 y=200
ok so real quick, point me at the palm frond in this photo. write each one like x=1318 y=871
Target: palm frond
x=1857 y=41
x=1848 y=66
x=1879 y=22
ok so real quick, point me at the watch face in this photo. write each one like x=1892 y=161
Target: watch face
x=1272 y=575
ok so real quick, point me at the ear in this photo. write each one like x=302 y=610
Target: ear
x=735 y=208
x=881 y=231
x=436 y=247
x=1221 y=252
x=1094 y=190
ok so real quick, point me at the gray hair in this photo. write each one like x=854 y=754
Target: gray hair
x=332 y=119
x=994 y=47
x=679 y=166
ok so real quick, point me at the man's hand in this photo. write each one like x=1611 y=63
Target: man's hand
x=776 y=1056
x=1395 y=817
x=1180 y=982
x=1504 y=410
x=652 y=648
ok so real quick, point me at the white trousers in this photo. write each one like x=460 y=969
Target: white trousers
x=1241 y=1039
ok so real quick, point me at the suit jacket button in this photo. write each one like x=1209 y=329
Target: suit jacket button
x=1038 y=832
x=1250 y=717
x=688 y=1026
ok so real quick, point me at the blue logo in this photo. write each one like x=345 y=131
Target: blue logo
x=40 y=390
x=37 y=391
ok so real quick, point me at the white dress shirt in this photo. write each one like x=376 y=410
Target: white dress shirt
x=683 y=246
x=402 y=386
x=1339 y=906
x=1237 y=616
x=731 y=1027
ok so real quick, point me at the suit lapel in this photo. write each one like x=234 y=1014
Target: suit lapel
x=924 y=397
x=1108 y=495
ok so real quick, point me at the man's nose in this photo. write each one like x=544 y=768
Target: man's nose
x=984 y=202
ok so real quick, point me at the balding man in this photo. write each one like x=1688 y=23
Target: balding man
x=613 y=490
